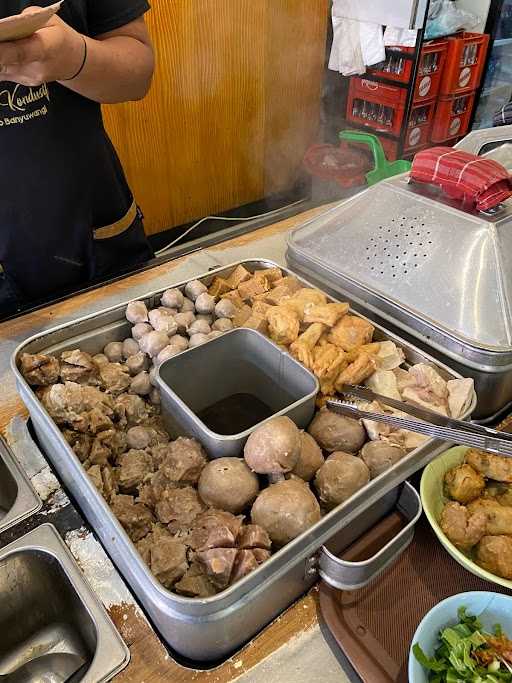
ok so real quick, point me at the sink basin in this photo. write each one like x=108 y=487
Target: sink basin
x=47 y=607
x=18 y=499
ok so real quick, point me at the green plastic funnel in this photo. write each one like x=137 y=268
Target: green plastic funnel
x=383 y=168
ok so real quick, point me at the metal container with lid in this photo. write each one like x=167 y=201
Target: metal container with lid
x=442 y=276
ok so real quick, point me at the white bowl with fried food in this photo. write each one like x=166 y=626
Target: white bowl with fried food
x=493 y=549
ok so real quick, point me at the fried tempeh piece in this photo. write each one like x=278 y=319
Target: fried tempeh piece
x=302 y=348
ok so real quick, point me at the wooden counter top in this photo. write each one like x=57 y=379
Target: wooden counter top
x=293 y=647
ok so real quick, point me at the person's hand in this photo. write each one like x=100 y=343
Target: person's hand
x=54 y=53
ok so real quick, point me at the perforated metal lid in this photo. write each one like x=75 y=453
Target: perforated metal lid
x=419 y=258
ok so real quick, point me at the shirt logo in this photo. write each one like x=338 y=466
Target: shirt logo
x=20 y=103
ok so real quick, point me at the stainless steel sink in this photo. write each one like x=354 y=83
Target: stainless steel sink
x=47 y=607
x=18 y=499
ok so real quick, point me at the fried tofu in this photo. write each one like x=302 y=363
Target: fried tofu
x=239 y=275
x=283 y=325
x=251 y=288
x=219 y=287
x=351 y=332
x=327 y=314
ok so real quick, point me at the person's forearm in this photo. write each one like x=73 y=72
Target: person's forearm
x=117 y=69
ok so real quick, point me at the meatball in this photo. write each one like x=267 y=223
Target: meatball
x=334 y=432
x=228 y=484
x=339 y=478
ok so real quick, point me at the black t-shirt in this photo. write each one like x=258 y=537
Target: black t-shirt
x=60 y=176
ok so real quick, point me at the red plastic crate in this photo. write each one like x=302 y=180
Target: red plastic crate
x=465 y=61
x=417 y=133
x=452 y=116
x=378 y=106
x=430 y=68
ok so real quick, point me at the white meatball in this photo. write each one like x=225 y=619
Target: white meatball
x=166 y=353
x=140 y=329
x=163 y=322
x=141 y=384
x=179 y=342
x=172 y=298
x=198 y=339
x=130 y=347
x=194 y=288
x=154 y=397
x=206 y=318
x=225 y=309
x=137 y=363
x=152 y=376
x=187 y=306
x=136 y=312
x=184 y=320
x=114 y=352
x=153 y=343
x=214 y=334
x=223 y=325
x=100 y=359
x=205 y=303
x=199 y=327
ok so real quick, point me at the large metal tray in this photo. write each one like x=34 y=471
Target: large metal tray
x=203 y=629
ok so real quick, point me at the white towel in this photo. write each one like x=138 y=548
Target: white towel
x=346 y=55
x=400 y=36
x=356 y=44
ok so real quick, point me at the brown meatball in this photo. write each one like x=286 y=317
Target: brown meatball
x=228 y=484
x=463 y=483
x=274 y=447
x=285 y=510
x=310 y=458
x=494 y=554
x=379 y=456
x=339 y=478
x=335 y=432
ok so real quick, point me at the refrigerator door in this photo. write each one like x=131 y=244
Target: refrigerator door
x=497 y=90
x=400 y=13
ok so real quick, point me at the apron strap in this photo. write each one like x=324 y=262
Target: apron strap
x=117 y=228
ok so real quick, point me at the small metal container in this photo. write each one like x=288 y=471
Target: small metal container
x=240 y=363
x=18 y=500
x=351 y=575
x=47 y=607
x=210 y=628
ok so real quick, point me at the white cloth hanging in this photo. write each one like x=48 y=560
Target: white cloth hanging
x=356 y=44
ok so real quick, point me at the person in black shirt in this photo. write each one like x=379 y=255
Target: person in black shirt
x=67 y=215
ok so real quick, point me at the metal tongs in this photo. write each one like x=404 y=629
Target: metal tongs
x=428 y=422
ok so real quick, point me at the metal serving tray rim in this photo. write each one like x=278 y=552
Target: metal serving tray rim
x=312 y=539
x=411 y=523
x=47 y=539
x=240 y=435
x=409 y=312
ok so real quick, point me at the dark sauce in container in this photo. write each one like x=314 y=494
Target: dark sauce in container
x=235 y=414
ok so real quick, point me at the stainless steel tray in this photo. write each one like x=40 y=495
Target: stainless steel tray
x=203 y=629
x=18 y=500
x=60 y=611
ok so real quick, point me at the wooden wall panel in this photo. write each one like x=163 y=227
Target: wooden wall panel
x=234 y=104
